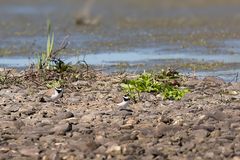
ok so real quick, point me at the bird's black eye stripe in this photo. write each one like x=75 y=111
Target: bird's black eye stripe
x=59 y=90
x=126 y=98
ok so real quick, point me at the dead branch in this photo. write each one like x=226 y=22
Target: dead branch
x=63 y=46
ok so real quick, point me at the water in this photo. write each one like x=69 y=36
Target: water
x=147 y=56
x=143 y=55
x=155 y=33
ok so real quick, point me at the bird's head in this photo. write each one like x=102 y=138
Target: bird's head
x=59 y=90
x=126 y=98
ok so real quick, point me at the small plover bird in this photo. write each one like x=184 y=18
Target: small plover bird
x=124 y=104
x=52 y=95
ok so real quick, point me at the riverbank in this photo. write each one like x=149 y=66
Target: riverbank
x=87 y=124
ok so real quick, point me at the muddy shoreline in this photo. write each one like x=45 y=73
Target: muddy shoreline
x=191 y=28
x=87 y=124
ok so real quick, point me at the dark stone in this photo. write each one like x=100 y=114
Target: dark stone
x=62 y=129
x=30 y=151
x=163 y=130
x=209 y=128
x=133 y=149
x=218 y=115
x=28 y=111
x=19 y=124
x=64 y=115
x=166 y=119
x=86 y=145
x=14 y=108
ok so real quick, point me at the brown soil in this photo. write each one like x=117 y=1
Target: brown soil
x=87 y=124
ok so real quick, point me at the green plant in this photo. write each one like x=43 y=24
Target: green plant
x=55 y=83
x=60 y=66
x=2 y=79
x=8 y=78
x=174 y=93
x=48 y=59
x=44 y=59
x=164 y=82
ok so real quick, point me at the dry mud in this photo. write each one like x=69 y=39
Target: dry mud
x=87 y=124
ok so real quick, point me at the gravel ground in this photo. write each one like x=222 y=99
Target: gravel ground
x=87 y=124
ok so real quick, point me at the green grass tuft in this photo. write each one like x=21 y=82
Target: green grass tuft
x=166 y=83
x=44 y=59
